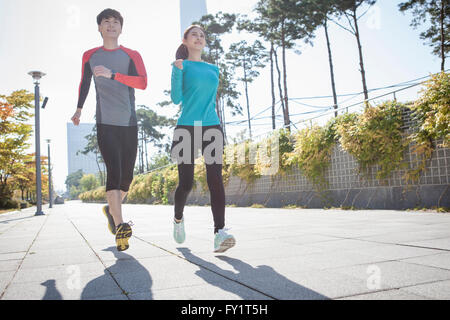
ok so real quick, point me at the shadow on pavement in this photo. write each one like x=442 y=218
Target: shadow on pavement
x=7 y=221
x=131 y=276
x=51 y=293
x=262 y=278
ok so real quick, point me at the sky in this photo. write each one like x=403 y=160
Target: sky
x=51 y=36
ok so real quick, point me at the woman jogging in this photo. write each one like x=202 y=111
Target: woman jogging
x=194 y=84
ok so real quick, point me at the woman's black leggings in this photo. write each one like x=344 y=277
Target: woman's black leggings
x=213 y=175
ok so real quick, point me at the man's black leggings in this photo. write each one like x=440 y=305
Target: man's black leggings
x=118 y=146
x=213 y=176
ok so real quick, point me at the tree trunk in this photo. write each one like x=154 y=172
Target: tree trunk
x=361 y=61
x=224 y=129
x=272 y=85
x=98 y=167
x=279 y=80
x=219 y=111
x=333 y=85
x=142 y=149
x=146 y=154
x=141 y=169
x=248 y=104
x=287 y=121
x=442 y=35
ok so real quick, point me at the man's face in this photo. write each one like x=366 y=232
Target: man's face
x=110 y=28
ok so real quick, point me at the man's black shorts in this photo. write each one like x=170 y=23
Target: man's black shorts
x=118 y=146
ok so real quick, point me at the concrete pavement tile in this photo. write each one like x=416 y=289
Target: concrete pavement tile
x=437 y=290
x=5 y=279
x=393 y=274
x=297 y=281
x=325 y=283
x=441 y=260
x=137 y=250
x=70 y=256
x=271 y=251
x=407 y=236
x=308 y=239
x=156 y=279
x=57 y=236
x=286 y=265
x=197 y=244
x=52 y=244
x=330 y=260
x=12 y=256
x=228 y=265
x=395 y=252
x=261 y=277
x=9 y=265
x=11 y=246
x=443 y=243
x=115 y=297
x=63 y=273
x=232 y=291
x=395 y=294
x=159 y=273
x=345 y=232
x=344 y=245
x=52 y=289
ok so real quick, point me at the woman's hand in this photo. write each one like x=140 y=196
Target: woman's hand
x=179 y=64
x=101 y=71
x=76 y=117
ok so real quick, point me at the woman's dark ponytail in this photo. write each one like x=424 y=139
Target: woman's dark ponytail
x=182 y=52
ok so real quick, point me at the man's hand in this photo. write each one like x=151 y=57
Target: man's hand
x=179 y=64
x=76 y=117
x=101 y=71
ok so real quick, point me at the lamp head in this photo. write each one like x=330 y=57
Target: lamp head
x=37 y=75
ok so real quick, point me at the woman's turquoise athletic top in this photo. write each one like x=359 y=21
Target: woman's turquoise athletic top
x=196 y=87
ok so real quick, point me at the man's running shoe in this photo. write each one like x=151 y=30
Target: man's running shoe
x=223 y=241
x=178 y=231
x=111 y=224
x=122 y=235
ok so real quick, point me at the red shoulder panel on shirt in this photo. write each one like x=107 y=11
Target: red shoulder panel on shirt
x=137 y=59
x=86 y=56
x=139 y=82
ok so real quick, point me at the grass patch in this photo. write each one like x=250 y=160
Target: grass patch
x=7 y=210
x=432 y=209
x=293 y=206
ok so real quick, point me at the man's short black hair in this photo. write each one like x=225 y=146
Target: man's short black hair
x=109 y=13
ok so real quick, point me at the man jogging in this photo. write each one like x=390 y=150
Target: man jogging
x=117 y=72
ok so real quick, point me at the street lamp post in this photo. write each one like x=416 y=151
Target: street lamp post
x=37 y=75
x=49 y=177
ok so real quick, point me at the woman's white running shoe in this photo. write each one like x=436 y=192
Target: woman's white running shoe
x=178 y=231
x=223 y=241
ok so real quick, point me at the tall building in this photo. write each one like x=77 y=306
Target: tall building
x=190 y=11
x=76 y=141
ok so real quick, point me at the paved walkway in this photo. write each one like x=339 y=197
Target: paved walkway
x=280 y=254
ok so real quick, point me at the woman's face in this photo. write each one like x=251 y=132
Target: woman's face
x=195 y=40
